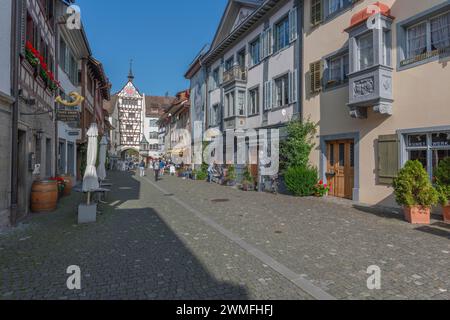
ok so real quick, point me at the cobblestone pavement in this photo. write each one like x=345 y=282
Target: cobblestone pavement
x=185 y=239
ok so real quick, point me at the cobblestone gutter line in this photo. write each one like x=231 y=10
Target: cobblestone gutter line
x=292 y=276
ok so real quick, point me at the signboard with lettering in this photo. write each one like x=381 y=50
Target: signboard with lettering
x=68 y=116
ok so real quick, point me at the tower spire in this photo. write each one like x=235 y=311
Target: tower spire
x=130 y=74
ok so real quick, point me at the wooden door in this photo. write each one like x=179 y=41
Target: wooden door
x=340 y=168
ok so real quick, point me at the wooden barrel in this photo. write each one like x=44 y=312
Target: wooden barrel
x=68 y=185
x=44 y=196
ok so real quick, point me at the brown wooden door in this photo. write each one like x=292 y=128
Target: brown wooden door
x=340 y=168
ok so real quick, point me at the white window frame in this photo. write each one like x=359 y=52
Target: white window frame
x=241 y=93
x=341 y=57
x=256 y=41
x=253 y=106
x=428 y=33
x=285 y=89
x=230 y=104
x=358 y=39
x=429 y=148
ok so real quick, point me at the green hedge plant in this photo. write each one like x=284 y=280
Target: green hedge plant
x=301 y=180
x=442 y=176
x=413 y=187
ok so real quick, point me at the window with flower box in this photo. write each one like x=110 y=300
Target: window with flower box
x=425 y=38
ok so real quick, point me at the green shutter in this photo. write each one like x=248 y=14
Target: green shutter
x=388 y=158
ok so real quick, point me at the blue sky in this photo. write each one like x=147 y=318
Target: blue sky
x=162 y=38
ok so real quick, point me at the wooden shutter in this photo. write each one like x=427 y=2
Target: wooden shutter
x=316 y=12
x=388 y=158
x=293 y=83
x=315 y=70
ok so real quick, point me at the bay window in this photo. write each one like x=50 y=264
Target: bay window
x=229 y=104
x=365 y=51
x=241 y=103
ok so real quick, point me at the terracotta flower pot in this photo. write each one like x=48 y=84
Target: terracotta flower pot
x=446 y=212
x=418 y=214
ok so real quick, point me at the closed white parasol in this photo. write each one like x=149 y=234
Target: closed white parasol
x=101 y=170
x=90 y=180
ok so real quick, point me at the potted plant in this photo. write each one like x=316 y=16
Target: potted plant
x=231 y=176
x=321 y=189
x=442 y=177
x=61 y=185
x=248 y=182
x=414 y=191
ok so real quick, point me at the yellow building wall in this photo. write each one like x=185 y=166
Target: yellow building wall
x=421 y=94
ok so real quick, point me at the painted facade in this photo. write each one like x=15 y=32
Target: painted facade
x=385 y=90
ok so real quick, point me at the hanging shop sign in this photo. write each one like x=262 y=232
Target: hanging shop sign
x=69 y=111
x=68 y=116
x=77 y=99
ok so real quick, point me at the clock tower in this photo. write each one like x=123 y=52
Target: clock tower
x=130 y=107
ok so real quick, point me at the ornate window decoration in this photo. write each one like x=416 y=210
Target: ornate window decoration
x=370 y=70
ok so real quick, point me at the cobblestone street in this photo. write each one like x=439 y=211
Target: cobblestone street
x=182 y=239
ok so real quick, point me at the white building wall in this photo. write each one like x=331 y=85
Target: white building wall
x=278 y=64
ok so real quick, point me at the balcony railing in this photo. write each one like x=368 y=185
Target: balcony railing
x=236 y=73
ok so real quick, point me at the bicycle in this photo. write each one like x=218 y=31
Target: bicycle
x=273 y=184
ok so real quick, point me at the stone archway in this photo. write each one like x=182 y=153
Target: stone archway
x=129 y=153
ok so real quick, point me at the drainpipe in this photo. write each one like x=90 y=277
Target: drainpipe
x=15 y=65
x=55 y=114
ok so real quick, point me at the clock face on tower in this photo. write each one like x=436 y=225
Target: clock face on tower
x=129 y=91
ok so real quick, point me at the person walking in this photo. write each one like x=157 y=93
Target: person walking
x=156 y=168
x=172 y=170
x=162 y=167
x=142 y=168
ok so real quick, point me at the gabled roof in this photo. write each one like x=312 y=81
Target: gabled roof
x=255 y=17
x=110 y=105
x=99 y=73
x=128 y=84
x=159 y=103
x=229 y=18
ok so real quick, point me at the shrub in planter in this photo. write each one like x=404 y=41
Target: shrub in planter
x=301 y=181
x=248 y=182
x=414 y=191
x=231 y=176
x=442 y=176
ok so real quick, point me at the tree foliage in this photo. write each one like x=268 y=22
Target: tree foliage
x=442 y=176
x=296 y=149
